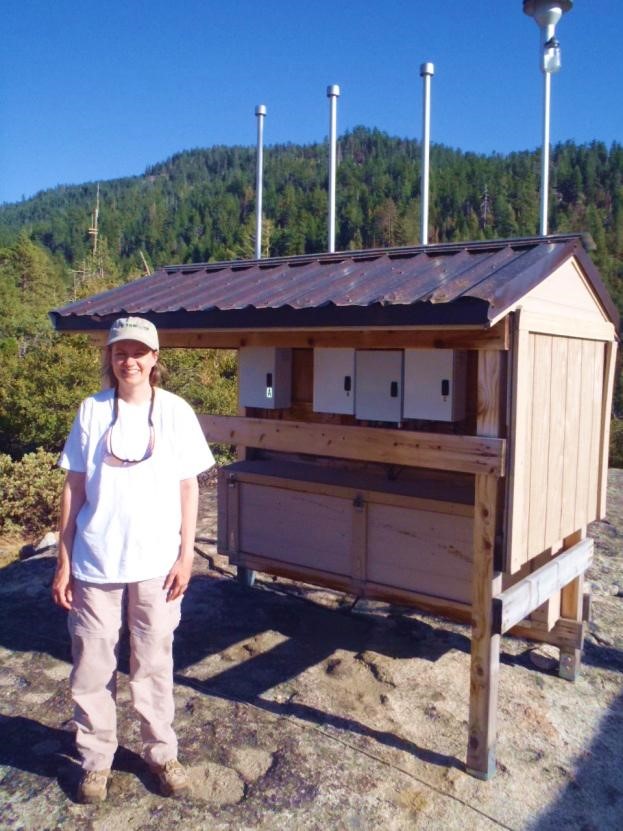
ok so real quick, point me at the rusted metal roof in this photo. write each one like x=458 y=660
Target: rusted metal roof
x=466 y=283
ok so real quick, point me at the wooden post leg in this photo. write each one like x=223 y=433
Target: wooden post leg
x=572 y=607
x=483 y=705
x=485 y=651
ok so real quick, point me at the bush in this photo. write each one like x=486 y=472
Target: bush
x=31 y=490
x=47 y=384
x=616 y=443
x=205 y=378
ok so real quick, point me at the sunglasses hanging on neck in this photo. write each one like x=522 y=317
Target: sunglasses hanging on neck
x=111 y=457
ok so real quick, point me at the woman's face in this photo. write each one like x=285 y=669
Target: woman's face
x=132 y=362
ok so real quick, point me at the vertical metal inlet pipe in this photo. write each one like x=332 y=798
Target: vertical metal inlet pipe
x=427 y=70
x=547 y=86
x=260 y=112
x=547 y=14
x=333 y=93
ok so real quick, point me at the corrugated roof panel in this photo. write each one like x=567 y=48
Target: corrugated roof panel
x=431 y=275
x=472 y=268
x=521 y=273
x=497 y=273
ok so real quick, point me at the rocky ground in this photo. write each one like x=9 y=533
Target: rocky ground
x=301 y=709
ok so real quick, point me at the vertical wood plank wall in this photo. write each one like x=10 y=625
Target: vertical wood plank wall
x=609 y=371
x=556 y=441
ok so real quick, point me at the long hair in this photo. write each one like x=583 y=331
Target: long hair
x=158 y=371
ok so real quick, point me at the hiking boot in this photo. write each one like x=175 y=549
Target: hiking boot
x=172 y=778
x=93 y=786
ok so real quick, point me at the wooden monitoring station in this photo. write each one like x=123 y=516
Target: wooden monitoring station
x=427 y=426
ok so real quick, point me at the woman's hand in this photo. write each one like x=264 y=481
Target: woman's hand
x=72 y=499
x=63 y=586
x=178 y=578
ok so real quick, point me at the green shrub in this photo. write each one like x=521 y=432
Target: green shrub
x=31 y=490
x=205 y=378
x=616 y=443
x=44 y=387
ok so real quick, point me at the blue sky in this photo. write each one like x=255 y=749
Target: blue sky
x=94 y=90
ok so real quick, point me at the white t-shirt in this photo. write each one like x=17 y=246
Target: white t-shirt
x=129 y=526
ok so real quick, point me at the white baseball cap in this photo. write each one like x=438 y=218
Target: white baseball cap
x=134 y=328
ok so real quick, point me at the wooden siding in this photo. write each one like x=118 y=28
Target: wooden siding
x=609 y=372
x=565 y=292
x=556 y=440
x=420 y=551
x=374 y=534
x=296 y=527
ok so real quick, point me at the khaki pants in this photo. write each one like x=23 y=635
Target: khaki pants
x=95 y=624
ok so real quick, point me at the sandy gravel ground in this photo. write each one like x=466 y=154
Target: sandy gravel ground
x=302 y=709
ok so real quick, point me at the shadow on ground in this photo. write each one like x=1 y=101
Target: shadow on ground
x=230 y=614
x=220 y=615
x=592 y=801
x=48 y=752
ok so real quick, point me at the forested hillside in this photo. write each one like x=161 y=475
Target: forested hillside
x=199 y=206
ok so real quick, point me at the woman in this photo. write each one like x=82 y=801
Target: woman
x=127 y=530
